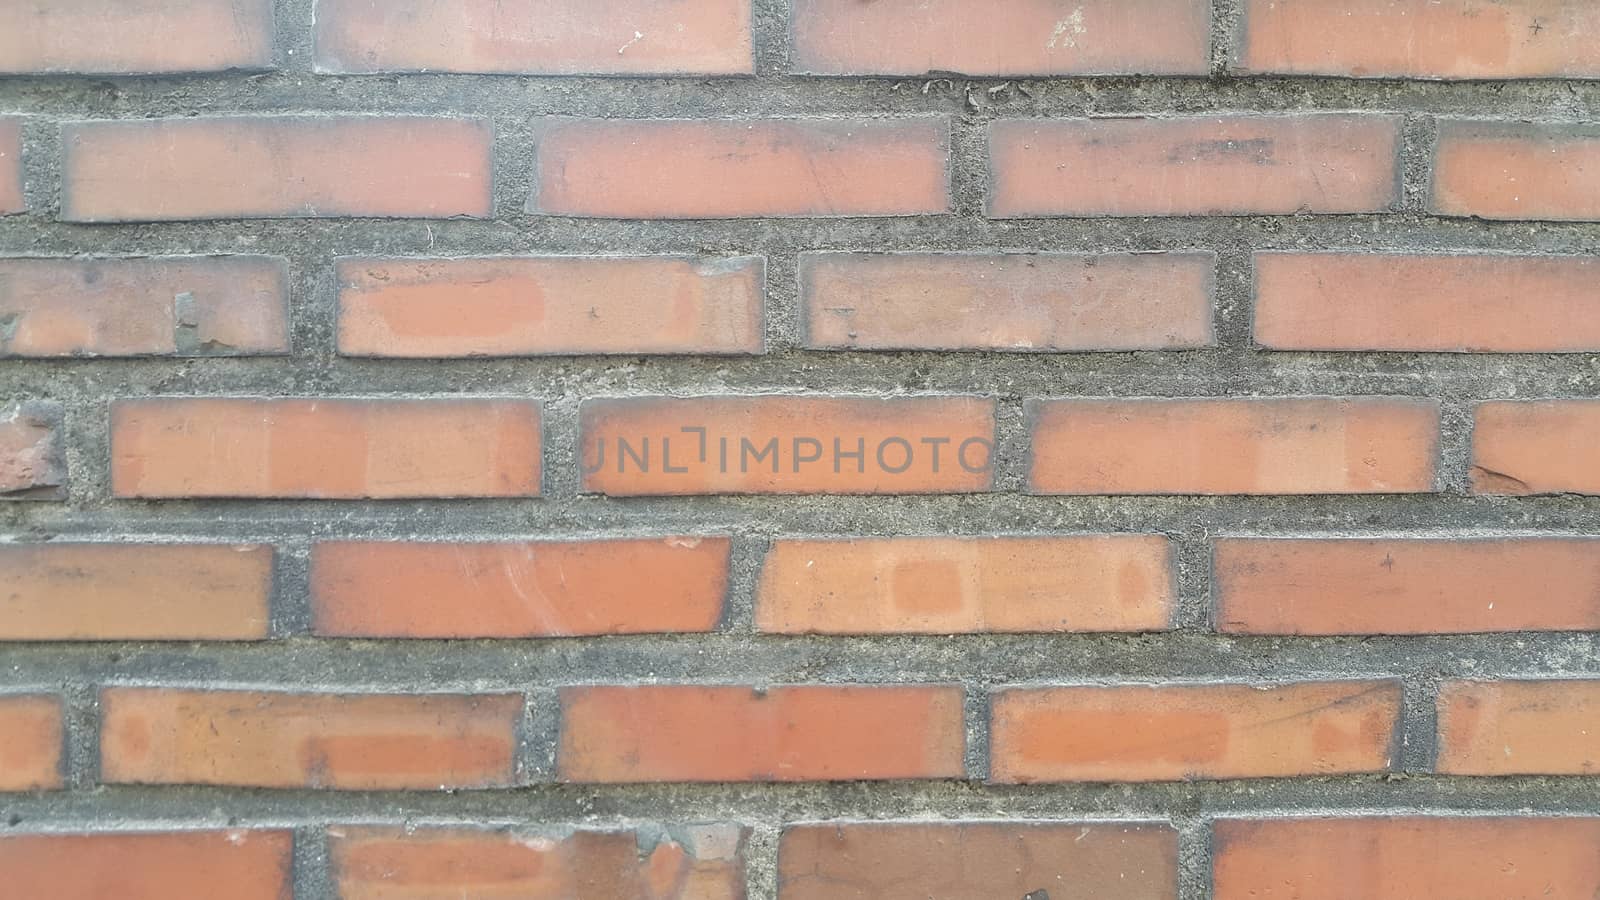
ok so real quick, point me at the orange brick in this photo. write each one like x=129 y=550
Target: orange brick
x=693 y=862
x=115 y=37
x=1536 y=447
x=955 y=585
x=351 y=449
x=174 y=865
x=162 y=592
x=642 y=733
x=1422 y=38
x=550 y=305
x=11 y=199
x=527 y=589
x=1289 y=445
x=1458 y=303
x=1407 y=585
x=1007 y=301
x=1002 y=37
x=977 y=860
x=1225 y=166
x=31 y=740
x=1174 y=732
x=1492 y=170
x=33 y=465
x=737 y=168
x=1519 y=728
x=173 y=306
x=282 y=740
x=564 y=37
x=1405 y=858
x=275 y=167
x=787 y=445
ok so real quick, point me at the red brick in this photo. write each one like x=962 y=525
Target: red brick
x=329 y=448
x=692 y=862
x=32 y=736
x=276 y=167
x=738 y=168
x=526 y=589
x=1422 y=38
x=11 y=199
x=1492 y=170
x=1224 y=166
x=550 y=305
x=1406 y=858
x=174 y=865
x=1174 y=732
x=117 y=37
x=1457 y=303
x=1519 y=728
x=641 y=733
x=283 y=740
x=173 y=306
x=1536 y=447
x=1407 y=585
x=1281 y=445
x=563 y=37
x=33 y=464
x=1044 y=302
x=1002 y=37
x=978 y=861
x=160 y=592
x=943 y=585
x=787 y=445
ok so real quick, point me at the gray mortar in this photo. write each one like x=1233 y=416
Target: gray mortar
x=735 y=653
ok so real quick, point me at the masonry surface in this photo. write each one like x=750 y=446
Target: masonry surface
x=792 y=449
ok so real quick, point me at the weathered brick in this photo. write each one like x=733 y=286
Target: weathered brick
x=787 y=445
x=175 y=865
x=739 y=168
x=1495 y=170
x=1444 y=39
x=1406 y=585
x=1002 y=37
x=33 y=463
x=974 y=860
x=944 y=585
x=564 y=37
x=11 y=199
x=1284 y=445
x=32 y=738
x=684 y=733
x=125 y=591
x=550 y=305
x=275 y=167
x=1173 y=732
x=526 y=589
x=329 y=448
x=292 y=740
x=1008 y=301
x=690 y=862
x=172 y=306
x=1219 y=166
x=1536 y=447
x=118 y=37
x=1403 y=858
x=1519 y=727
x=1458 y=303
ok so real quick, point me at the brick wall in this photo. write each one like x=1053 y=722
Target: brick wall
x=800 y=449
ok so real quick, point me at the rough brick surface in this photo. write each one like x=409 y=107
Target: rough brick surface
x=1175 y=732
x=32 y=463
x=175 y=865
x=177 y=306
x=1493 y=170
x=1519 y=727
x=115 y=37
x=281 y=740
x=11 y=199
x=550 y=305
x=615 y=37
x=1536 y=447
x=32 y=743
